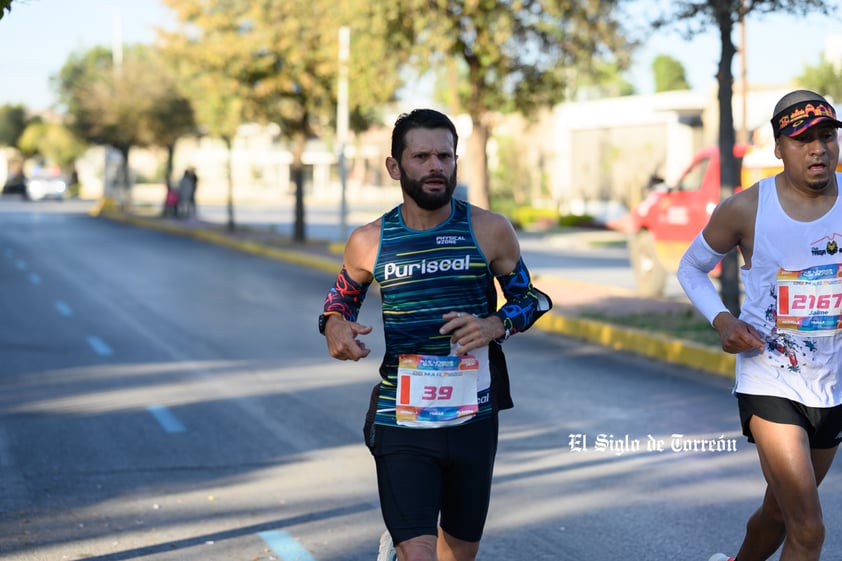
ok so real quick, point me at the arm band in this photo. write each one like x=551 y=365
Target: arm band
x=524 y=303
x=694 y=275
x=346 y=296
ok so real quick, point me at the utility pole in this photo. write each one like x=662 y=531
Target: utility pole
x=117 y=42
x=109 y=188
x=342 y=125
x=742 y=134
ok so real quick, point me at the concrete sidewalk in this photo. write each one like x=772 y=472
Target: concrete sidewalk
x=571 y=298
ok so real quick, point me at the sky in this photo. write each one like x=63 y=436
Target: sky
x=37 y=37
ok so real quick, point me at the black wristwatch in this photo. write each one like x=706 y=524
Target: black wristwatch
x=323 y=322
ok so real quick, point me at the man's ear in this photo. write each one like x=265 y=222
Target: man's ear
x=393 y=168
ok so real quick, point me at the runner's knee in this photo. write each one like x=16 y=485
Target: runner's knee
x=807 y=533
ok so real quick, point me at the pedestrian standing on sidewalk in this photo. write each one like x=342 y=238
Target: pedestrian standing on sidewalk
x=187 y=186
x=432 y=422
x=788 y=336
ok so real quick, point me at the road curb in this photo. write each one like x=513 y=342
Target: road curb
x=248 y=246
x=640 y=342
x=636 y=341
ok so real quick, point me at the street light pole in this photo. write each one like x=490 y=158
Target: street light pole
x=342 y=125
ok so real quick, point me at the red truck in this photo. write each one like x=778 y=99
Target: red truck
x=662 y=226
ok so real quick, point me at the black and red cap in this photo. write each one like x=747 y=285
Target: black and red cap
x=799 y=110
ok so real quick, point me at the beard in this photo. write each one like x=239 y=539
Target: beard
x=414 y=188
x=818 y=185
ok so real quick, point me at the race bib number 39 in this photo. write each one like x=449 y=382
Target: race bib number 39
x=810 y=301
x=436 y=391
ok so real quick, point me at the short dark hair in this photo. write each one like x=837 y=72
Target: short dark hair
x=419 y=119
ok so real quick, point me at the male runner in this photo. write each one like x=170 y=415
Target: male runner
x=432 y=422
x=788 y=337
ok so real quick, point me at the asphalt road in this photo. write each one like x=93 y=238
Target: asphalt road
x=164 y=399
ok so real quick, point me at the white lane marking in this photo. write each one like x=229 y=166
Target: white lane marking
x=63 y=308
x=285 y=546
x=168 y=421
x=99 y=346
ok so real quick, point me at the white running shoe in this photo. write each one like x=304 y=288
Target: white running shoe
x=387 y=548
x=720 y=557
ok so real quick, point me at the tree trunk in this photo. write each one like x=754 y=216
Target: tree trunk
x=123 y=199
x=729 y=170
x=298 y=142
x=229 y=176
x=168 y=168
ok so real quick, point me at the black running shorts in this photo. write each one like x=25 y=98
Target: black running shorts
x=823 y=424
x=432 y=477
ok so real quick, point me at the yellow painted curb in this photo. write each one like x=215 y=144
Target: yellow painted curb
x=641 y=342
x=256 y=248
x=295 y=257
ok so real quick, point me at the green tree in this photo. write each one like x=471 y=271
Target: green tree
x=13 y=121
x=604 y=80
x=694 y=16
x=201 y=63
x=825 y=77
x=169 y=118
x=669 y=74
x=129 y=104
x=5 y=6
x=514 y=56
x=53 y=142
x=220 y=111
x=277 y=62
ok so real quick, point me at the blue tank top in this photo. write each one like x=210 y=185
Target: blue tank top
x=422 y=275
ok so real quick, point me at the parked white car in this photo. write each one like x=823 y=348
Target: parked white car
x=40 y=188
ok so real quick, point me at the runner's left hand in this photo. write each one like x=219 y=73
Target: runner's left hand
x=469 y=332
